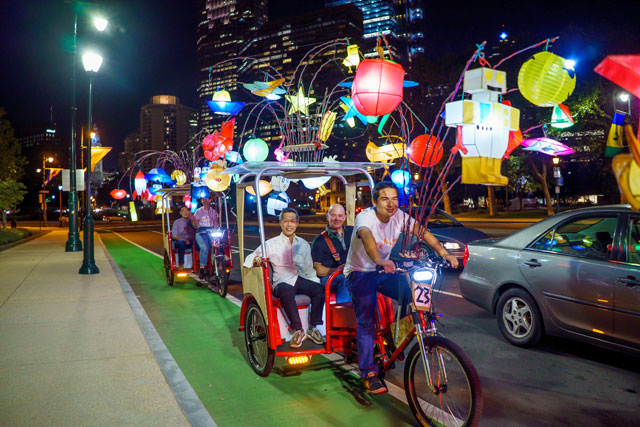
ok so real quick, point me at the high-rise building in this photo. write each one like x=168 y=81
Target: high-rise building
x=132 y=144
x=399 y=21
x=224 y=28
x=165 y=124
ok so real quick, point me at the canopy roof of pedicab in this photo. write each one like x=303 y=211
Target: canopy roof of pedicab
x=294 y=170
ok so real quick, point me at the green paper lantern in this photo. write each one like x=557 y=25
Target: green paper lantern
x=255 y=150
x=546 y=79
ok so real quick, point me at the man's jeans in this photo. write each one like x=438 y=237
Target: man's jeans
x=338 y=287
x=287 y=295
x=181 y=246
x=204 y=243
x=364 y=288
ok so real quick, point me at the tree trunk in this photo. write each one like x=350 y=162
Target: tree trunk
x=491 y=200
x=542 y=176
x=4 y=218
x=445 y=199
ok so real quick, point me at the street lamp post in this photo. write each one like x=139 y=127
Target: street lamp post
x=60 y=212
x=91 y=62
x=73 y=242
x=45 y=159
x=558 y=176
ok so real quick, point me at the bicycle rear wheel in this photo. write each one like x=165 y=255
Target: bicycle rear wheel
x=453 y=397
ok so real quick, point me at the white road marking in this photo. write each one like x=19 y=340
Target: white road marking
x=135 y=244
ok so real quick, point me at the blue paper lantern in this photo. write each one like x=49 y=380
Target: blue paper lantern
x=199 y=191
x=154 y=189
x=401 y=178
x=222 y=104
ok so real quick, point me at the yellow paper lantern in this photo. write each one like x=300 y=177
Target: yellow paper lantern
x=179 y=176
x=265 y=188
x=326 y=126
x=216 y=180
x=546 y=79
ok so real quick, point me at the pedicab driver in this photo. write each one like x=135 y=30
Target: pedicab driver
x=376 y=231
x=329 y=251
x=293 y=274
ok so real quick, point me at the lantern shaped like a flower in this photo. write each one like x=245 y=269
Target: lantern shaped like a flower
x=208 y=143
x=377 y=87
x=118 y=194
x=140 y=183
x=221 y=104
x=255 y=150
x=546 y=79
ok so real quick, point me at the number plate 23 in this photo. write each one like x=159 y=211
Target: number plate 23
x=422 y=296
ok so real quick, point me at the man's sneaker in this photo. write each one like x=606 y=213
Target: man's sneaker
x=315 y=335
x=373 y=385
x=297 y=338
x=201 y=273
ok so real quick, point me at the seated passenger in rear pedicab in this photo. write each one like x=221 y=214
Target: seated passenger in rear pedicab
x=182 y=234
x=293 y=274
x=329 y=251
x=204 y=220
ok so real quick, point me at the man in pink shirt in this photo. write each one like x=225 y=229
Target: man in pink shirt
x=204 y=220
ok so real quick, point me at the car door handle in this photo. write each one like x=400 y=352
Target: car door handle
x=533 y=263
x=630 y=281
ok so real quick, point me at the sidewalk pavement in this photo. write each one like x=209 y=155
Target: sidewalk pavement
x=72 y=350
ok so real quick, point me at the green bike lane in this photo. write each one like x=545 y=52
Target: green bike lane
x=200 y=329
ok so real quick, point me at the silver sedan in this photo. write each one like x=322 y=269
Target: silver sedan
x=575 y=274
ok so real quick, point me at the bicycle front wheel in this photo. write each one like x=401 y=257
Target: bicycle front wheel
x=449 y=392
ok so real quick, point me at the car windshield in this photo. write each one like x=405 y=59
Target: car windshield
x=439 y=218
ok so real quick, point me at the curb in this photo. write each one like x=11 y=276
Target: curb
x=189 y=402
x=24 y=240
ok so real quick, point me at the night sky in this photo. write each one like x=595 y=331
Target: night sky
x=150 y=49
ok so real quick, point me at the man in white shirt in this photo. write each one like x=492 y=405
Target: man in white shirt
x=376 y=231
x=293 y=274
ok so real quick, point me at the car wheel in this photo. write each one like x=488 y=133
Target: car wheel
x=519 y=319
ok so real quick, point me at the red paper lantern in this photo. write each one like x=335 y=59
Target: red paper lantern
x=210 y=155
x=118 y=194
x=377 y=87
x=208 y=143
x=425 y=151
x=220 y=150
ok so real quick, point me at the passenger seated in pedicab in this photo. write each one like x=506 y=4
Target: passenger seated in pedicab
x=182 y=234
x=376 y=231
x=329 y=251
x=293 y=274
x=204 y=220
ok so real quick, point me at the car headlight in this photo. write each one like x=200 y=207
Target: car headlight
x=452 y=246
x=422 y=275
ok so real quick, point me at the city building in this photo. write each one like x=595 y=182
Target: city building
x=399 y=21
x=225 y=26
x=132 y=144
x=165 y=124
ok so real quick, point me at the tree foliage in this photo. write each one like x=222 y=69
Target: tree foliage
x=11 y=162
x=11 y=195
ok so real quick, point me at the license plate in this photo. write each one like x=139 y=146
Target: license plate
x=421 y=296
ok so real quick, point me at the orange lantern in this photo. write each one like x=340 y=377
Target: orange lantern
x=425 y=151
x=377 y=87
x=208 y=143
x=210 y=155
x=118 y=194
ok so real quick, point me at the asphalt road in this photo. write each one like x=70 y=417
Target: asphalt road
x=560 y=382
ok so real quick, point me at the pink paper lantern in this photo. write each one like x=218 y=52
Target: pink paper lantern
x=377 y=87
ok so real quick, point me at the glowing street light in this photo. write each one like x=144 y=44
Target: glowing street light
x=624 y=97
x=556 y=160
x=100 y=23
x=91 y=61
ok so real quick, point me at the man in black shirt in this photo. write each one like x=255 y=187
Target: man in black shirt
x=329 y=251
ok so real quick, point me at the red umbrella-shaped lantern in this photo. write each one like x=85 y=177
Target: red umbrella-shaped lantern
x=208 y=143
x=425 y=151
x=377 y=87
x=210 y=155
x=118 y=194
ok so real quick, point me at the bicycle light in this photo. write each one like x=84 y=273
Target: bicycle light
x=422 y=275
x=216 y=234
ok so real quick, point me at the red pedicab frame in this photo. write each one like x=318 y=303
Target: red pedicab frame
x=262 y=332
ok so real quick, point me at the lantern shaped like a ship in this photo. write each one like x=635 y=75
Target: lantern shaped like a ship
x=483 y=125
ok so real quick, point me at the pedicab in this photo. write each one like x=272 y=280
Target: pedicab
x=219 y=263
x=441 y=384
